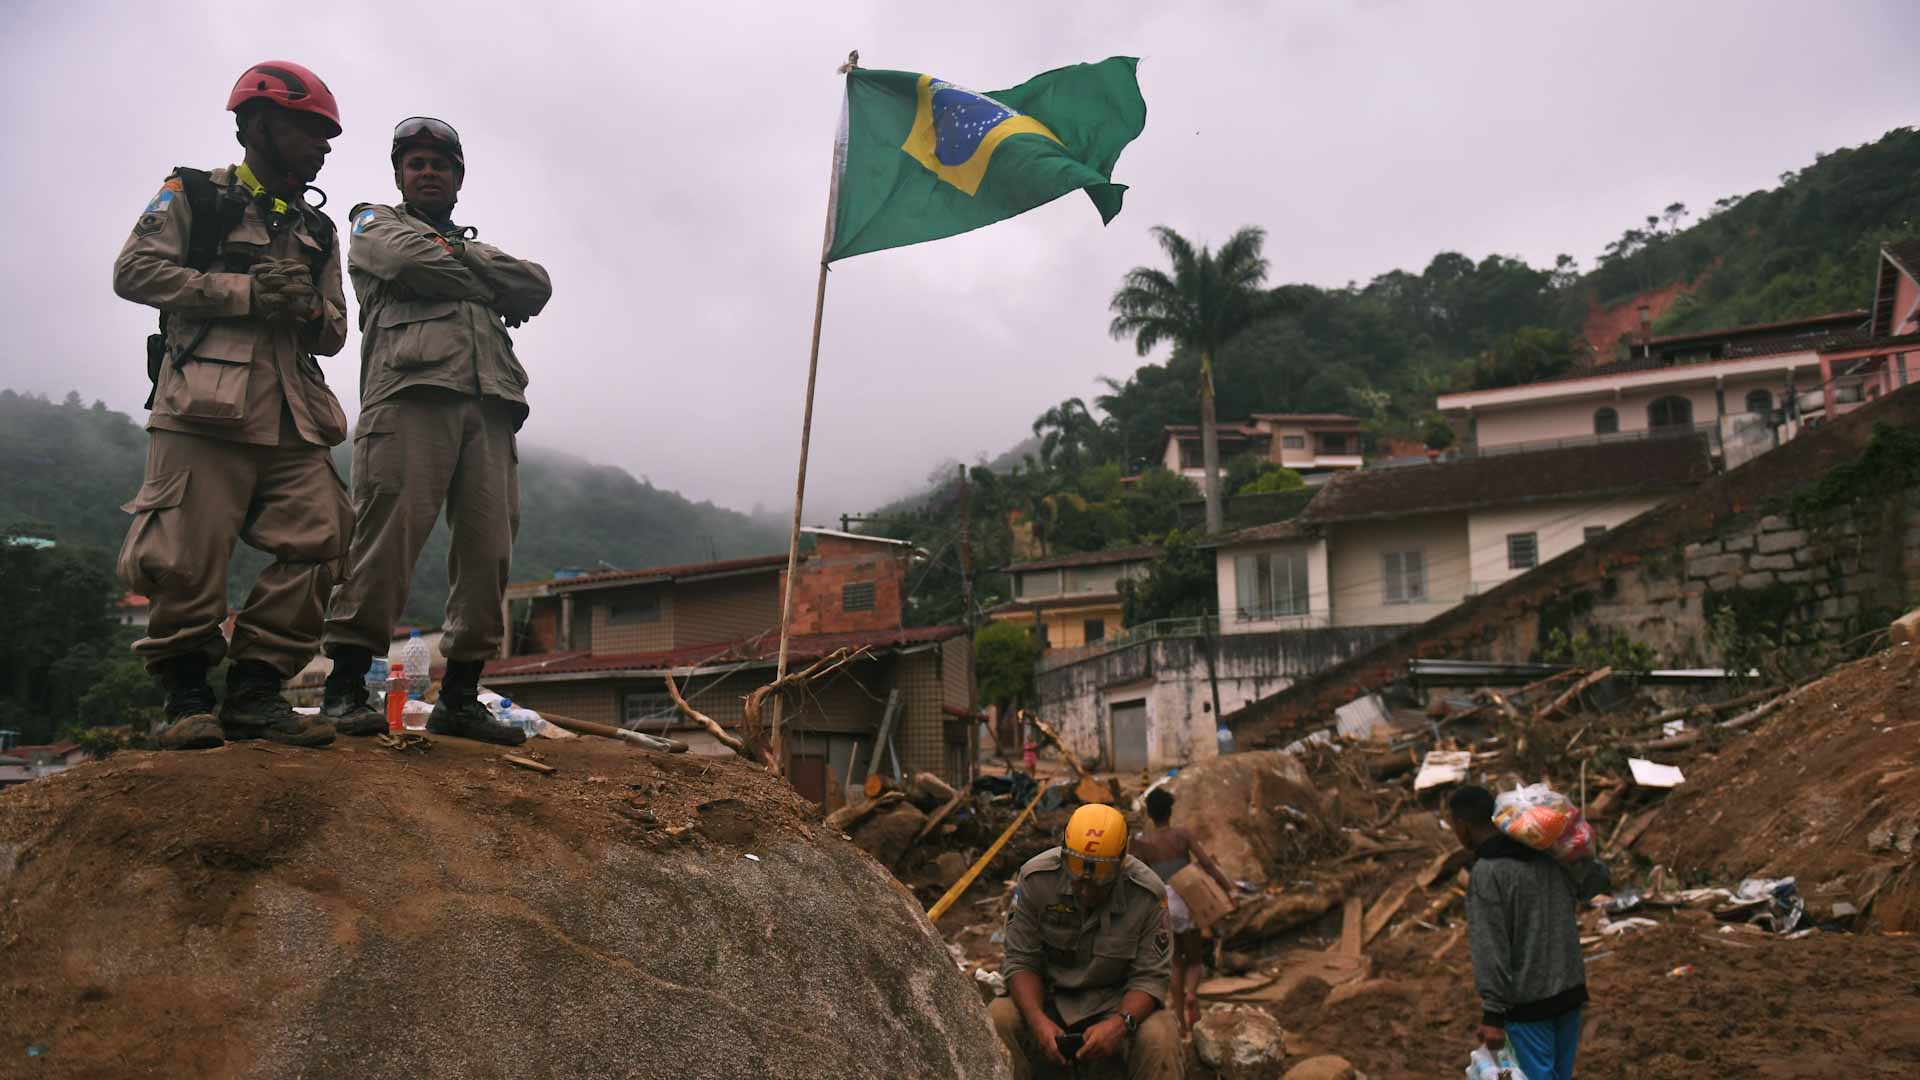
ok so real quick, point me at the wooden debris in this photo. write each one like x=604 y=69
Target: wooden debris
x=845 y=818
x=738 y=746
x=1579 y=688
x=1443 y=865
x=1352 y=922
x=1639 y=826
x=528 y=763
x=1433 y=911
x=941 y=905
x=1385 y=908
x=939 y=816
x=1447 y=946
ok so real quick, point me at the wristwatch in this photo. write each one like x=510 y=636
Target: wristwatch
x=1133 y=1026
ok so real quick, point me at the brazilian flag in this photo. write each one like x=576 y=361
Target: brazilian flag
x=920 y=158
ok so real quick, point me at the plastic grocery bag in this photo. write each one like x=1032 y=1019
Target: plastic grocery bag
x=1576 y=840
x=1498 y=1064
x=1535 y=815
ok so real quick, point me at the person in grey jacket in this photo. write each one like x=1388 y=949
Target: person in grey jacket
x=1522 y=911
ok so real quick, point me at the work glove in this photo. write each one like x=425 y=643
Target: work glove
x=282 y=291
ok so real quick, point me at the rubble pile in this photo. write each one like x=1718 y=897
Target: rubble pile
x=1760 y=840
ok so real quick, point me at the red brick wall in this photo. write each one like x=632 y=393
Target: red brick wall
x=543 y=626
x=836 y=563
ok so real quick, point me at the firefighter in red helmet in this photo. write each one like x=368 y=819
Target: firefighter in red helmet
x=246 y=274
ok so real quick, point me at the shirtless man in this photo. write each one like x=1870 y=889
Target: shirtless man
x=1167 y=851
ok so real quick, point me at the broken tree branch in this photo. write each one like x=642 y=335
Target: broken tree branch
x=732 y=743
x=1579 y=688
x=820 y=668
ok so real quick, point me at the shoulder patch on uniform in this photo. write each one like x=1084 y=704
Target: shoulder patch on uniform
x=147 y=225
x=361 y=220
x=163 y=202
x=1162 y=941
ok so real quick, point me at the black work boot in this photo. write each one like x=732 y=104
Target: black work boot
x=254 y=709
x=348 y=704
x=191 y=724
x=460 y=714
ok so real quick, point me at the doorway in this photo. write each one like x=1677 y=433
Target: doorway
x=1130 y=736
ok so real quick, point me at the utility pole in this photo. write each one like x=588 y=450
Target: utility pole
x=966 y=550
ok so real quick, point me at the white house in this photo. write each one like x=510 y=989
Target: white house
x=1398 y=546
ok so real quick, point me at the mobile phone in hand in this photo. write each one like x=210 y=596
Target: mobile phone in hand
x=1069 y=1043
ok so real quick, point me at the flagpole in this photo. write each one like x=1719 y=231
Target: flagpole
x=806 y=438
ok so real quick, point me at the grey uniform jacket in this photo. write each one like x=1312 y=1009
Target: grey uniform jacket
x=432 y=316
x=1089 y=959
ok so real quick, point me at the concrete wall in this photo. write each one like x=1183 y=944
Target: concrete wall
x=1171 y=676
x=1639 y=579
x=1558 y=526
x=1356 y=565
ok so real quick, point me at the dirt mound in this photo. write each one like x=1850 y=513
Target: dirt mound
x=1827 y=790
x=1751 y=1005
x=355 y=912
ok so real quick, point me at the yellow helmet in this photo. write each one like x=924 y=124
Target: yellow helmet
x=1095 y=843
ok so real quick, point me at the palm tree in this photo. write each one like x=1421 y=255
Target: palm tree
x=1206 y=299
x=1066 y=431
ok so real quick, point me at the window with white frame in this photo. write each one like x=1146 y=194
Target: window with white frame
x=1406 y=576
x=1293 y=442
x=1523 y=550
x=1271 y=584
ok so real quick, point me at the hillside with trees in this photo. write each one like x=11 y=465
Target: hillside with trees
x=65 y=469
x=1383 y=350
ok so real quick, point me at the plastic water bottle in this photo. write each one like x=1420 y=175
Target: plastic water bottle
x=377 y=676
x=396 y=697
x=526 y=720
x=418 y=659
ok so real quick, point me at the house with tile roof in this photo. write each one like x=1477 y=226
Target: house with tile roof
x=1315 y=445
x=601 y=646
x=1746 y=388
x=1397 y=546
x=1072 y=601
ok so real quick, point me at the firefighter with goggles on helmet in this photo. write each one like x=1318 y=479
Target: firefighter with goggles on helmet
x=1087 y=960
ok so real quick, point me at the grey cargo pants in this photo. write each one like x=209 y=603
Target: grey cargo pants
x=412 y=455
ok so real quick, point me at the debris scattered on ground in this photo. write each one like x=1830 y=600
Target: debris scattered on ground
x=1239 y=1041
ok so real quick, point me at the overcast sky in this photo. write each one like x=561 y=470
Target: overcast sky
x=668 y=164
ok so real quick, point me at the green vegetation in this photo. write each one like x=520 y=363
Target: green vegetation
x=1003 y=658
x=1889 y=464
x=1178 y=585
x=66 y=468
x=1204 y=302
x=1383 y=350
x=64 y=663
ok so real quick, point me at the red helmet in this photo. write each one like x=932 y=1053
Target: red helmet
x=289 y=86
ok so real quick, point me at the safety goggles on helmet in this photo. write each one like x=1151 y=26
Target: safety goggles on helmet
x=427 y=131
x=1096 y=869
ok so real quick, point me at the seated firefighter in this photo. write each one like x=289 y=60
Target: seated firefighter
x=1087 y=955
